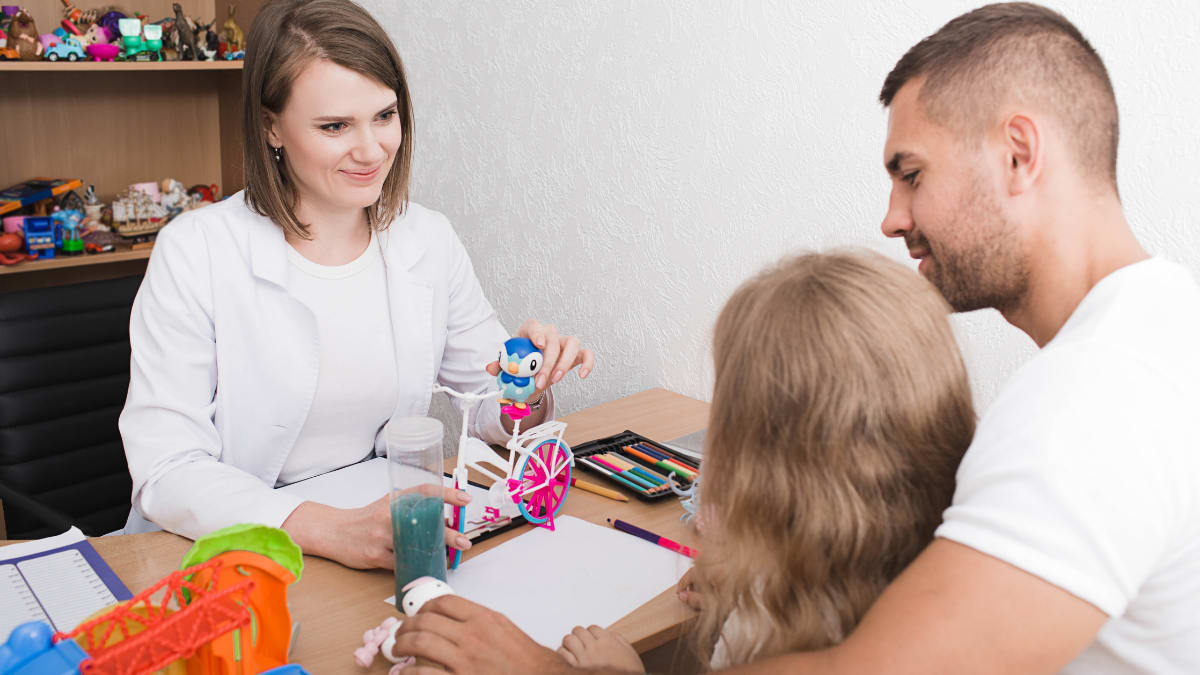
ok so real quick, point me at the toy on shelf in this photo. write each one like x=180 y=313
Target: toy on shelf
x=56 y=48
x=23 y=37
x=68 y=224
x=35 y=190
x=204 y=193
x=103 y=51
x=207 y=42
x=533 y=481
x=91 y=205
x=140 y=43
x=186 y=44
x=231 y=32
x=11 y=244
x=39 y=237
x=6 y=53
x=174 y=198
x=96 y=35
x=111 y=21
x=135 y=213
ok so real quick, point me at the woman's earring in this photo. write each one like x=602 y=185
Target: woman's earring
x=277 y=153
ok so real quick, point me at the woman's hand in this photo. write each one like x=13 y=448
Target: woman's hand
x=358 y=538
x=562 y=353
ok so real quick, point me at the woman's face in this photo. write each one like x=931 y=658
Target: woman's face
x=339 y=131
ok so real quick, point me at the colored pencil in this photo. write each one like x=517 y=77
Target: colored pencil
x=662 y=464
x=682 y=459
x=664 y=456
x=599 y=489
x=653 y=538
x=601 y=470
x=626 y=465
x=641 y=467
x=622 y=472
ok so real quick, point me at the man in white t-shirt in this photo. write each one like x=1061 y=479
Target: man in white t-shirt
x=1073 y=542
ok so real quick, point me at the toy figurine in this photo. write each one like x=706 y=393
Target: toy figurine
x=204 y=193
x=187 y=37
x=235 y=41
x=96 y=35
x=174 y=198
x=207 y=43
x=92 y=206
x=112 y=23
x=383 y=638
x=519 y=362
x=23 y=37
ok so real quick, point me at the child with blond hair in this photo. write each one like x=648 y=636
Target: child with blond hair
x=840 y=413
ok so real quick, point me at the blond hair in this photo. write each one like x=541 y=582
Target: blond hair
x=840 y=413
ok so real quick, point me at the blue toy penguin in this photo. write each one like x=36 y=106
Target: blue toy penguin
x=519 y=362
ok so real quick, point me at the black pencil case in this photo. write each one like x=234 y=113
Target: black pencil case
x=616 y=444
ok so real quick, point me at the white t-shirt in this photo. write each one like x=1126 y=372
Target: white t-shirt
x=356 y=384
x=1086 y=469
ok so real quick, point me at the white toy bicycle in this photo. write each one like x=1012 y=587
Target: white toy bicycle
x=536 y=477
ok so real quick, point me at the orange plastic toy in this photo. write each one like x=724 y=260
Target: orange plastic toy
x=225 y=614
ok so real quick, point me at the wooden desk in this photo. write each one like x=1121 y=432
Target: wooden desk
x=334 y=605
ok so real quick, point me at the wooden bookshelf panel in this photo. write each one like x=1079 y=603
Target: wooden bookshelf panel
x=118 y=66
x=111 y=129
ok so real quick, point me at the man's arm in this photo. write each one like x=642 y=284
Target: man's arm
x=957 y=610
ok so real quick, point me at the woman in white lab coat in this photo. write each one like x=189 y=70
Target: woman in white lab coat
x=278 y=331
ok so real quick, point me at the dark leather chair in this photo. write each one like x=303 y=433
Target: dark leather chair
x=64 y=372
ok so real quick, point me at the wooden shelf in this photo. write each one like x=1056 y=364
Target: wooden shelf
x=97 y=66
x=63 y=261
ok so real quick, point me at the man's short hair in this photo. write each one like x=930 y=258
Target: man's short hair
x=1015 y=52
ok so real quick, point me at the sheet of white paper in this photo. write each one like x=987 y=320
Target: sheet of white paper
x=360 y=484
x=581 y=574
x=25 y=548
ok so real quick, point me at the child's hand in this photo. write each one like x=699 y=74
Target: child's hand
x=595 y=647
x=687 y=591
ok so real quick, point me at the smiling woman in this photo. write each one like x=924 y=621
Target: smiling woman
x=327 y=114
x=278 y=332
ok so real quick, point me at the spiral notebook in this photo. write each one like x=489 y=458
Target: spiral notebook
x=61 y=580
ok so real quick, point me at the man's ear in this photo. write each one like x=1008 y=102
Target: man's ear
x=271 y=127
x=1024 y=153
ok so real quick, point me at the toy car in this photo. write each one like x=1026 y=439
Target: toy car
x=68 y=48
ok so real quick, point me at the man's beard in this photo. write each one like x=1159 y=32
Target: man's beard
x=991 y=271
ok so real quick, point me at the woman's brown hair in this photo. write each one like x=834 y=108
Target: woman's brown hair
x=840 y=413
x=284 y=38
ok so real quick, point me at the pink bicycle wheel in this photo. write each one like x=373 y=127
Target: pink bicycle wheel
x=544 y=504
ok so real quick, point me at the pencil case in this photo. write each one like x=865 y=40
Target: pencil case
x=612 y=456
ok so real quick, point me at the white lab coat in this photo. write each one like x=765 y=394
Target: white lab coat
x=225 y=362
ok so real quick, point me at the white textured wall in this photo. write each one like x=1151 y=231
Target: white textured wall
x=619 y=167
